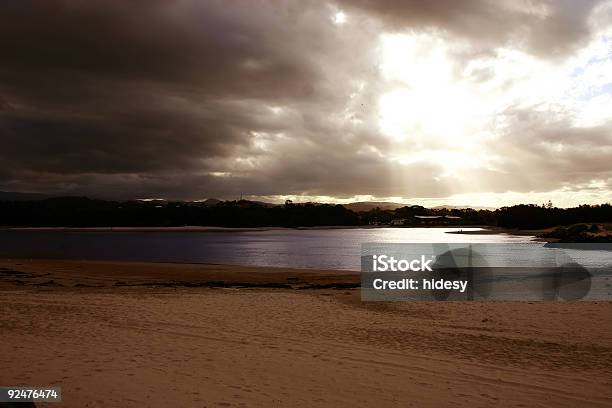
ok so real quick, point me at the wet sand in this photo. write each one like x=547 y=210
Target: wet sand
x=140 y=334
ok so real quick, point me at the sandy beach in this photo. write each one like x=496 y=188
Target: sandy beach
x=189 y=335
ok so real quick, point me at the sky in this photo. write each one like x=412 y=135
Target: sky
x=478 y=102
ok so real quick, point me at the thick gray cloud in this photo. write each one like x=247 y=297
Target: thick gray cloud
x=149 y=87
x=192 y=99
x=547 y=27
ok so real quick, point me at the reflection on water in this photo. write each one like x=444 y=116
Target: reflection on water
x=321 y=249
x=317 y=249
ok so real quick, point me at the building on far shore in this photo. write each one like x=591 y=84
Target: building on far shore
x=398 y=221
x=437 y=219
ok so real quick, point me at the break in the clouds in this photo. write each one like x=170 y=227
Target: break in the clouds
x=474 y=102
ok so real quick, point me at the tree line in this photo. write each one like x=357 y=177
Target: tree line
x=86 y=212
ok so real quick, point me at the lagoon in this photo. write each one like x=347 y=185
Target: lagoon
x=296 y=248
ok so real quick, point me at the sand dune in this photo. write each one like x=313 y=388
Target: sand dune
x=164 y=344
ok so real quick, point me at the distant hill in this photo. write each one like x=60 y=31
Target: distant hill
x=370 y=205
x=209 y=202
x=461 y=207
x=387 y=205
x=14 y=196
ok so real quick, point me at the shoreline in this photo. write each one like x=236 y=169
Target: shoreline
x=222 y=229
x=514 y=232
x=72 y=273
x=178 y=229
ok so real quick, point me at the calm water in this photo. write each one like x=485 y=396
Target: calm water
x=318 y=249
x=321 y=249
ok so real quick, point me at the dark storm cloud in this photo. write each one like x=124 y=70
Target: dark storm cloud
x=144 y=87
x=188 y=99
x=220 y=47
